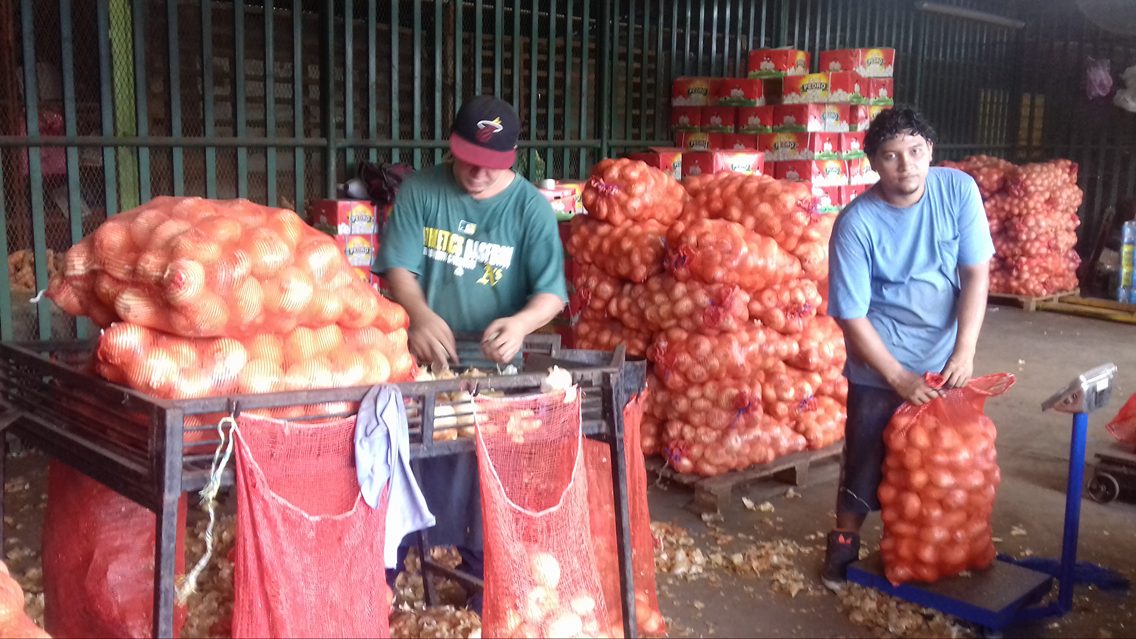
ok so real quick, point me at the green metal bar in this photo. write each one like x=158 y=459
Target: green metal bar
x=158 y=141
x=396 y=64
x=348 y=74
x=662 y=89
x=106 y=110
x=298 y=100
x=140 y=83
x=828 y=24
x=605 y=80
x=920 y=60
x=569 y=64
x=210 y=125
x=35 y=167
x=6 y=332
x=629 y=74
x=240 y=99
x=585 y=53
x=416 y=128
x=642 y=74
x=70 y=127
x=459 y=40
x=783 y=37
x=438 y=36
x=533 y=126
x=702 y=39
x=673 y=59
x=373 y=74
x=125 y=114
x=270 y=99
x=327 y=95
x=714 y=40
x=764 y=19
x=478 y=44
x=550 y=115
x=516 y=57
x=686 y=38
x=178 y=156
x=498 y=46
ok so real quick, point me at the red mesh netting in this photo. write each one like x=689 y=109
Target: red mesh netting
x=98 y=559
x=540 y=569
x=597 y=456
x=309 y=551
x=1123 y=426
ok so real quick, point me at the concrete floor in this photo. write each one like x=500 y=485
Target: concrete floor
x=1044 y=351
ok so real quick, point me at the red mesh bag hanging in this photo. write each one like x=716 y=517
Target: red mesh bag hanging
x=541 y=578
x=1123 y=426
x=939 y=482
x=308 y=560
x=597 y=456
x=98 y=559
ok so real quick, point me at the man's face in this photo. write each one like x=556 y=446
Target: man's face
x=477 y=180
x=902 y=163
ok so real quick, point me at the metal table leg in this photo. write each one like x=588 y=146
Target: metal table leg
x=617 y=399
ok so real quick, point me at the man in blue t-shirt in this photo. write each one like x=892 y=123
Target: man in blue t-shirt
x=908 y=278
x=471 y=247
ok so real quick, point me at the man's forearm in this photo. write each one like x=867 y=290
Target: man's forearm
x=975 y=286
x=406 y=291
x=539 y=311
x=865 y=344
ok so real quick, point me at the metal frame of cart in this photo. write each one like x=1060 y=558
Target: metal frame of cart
x=142 y=448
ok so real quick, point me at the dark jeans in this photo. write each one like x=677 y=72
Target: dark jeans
x=869 y=411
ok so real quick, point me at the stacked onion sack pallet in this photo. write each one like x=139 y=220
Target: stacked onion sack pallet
x=201 y=298
x=1032 y=211
x=744 y=370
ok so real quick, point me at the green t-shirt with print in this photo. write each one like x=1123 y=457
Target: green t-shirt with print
x=476 y=260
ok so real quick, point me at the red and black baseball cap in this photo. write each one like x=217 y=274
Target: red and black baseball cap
x=485 y=133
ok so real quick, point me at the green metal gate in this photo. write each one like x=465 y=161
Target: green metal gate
x=106 y=104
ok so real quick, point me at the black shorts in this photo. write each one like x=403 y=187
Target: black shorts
x=869 y=411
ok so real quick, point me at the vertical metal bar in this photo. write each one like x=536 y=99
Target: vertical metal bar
x=416 y=127
x=478 y=19
x=534 y=35
x=662 y=103
x=615 y=400
x=240 y=98
x=459 y=39
x=550 y=112
x=123 y=85
x=629 y=77
x=516 y=56
x=498 y=46
x=177 y=154
x=70 y=128
x=142 y=114
x=828 y=26
x=714 y=39
x=438 y=22
x=604 y=72
x=348 y=78
x=702 y=38
x=752 y=21
x=686 y=38
x=396 y=65
x=207 y=96
x=298 y=100
x=373 y=75
x=569 y=64
x=585 y=51
x=106 y=110
x=327 y=95
x=673 y=59
x=168 y=467
x=35 y=167
x=920 y=61
x=6 y=332
x=642 y=74
x=270 y=101
x=1073 y=487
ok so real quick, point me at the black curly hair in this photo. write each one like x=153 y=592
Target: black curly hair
x=894 y=122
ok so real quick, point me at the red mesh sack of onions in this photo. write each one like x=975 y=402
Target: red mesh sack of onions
x=692 y=306
x=682 y=358
x=592 y=289
x=207 y=268
x=724 y=252
x=777 y=209
x=939 y=483
x=603 y=334
x=621 y=190
x=787 y=307
x=708 y=452
x=632 y=251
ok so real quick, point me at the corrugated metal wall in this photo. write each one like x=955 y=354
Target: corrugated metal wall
x=276 y=100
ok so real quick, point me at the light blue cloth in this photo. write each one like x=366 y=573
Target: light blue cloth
x=382 y=455
x=899 y=268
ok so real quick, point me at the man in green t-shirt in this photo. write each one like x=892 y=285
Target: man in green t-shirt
x=471 y=247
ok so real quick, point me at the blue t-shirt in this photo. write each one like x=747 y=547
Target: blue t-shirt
x=899 y=268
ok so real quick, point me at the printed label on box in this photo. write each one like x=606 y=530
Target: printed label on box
x=880 y=91
x=775 y=63
x=860 y=172
x=870 y=63
x=740 y=142
x=755 y=119
x=846 y=87
x=719 y=119
x=690 y=91
x=858 y=119
x=829 y=199
x=343 y=217
x=738 y=92
x=686 y=118
x=707 y=162
x=693 y=140
x=834 y=118
x=805 y=89
x=781 y=147
x=359 y=249
x=851 y=145
x=666 y=159
x=816 y=172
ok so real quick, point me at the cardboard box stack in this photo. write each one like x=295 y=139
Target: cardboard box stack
x=356 y=226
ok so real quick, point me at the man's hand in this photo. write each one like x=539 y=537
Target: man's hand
x=432 y=341
x=914 y=389
x=503 y=339
x=958 y=370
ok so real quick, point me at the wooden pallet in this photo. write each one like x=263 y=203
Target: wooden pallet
x=1026 y=302
x=1091 y=307
x=712 y=494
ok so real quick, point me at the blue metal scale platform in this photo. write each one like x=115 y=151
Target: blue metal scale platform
x=1006 y=592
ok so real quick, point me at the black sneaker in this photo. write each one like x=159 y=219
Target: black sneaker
x=843 y=548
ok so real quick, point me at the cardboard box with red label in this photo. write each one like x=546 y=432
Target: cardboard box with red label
x=860 y=172
x=359 y=249
x=880 y=91
x=343 y=217
x=776 y=63
x=818 y=118
x=829 y=199
x=686 y=118
x=853 y=191
x=738 y=92
x=772 y=88
x=815 y=172
x=562 y=200
x=698 y=140
x=740 y=142
x=785 y=146
x=858 y=119
x=846 y=87
x=708 y=162
x=577 y=188
x=870 y=63
x=876 y=109
x=691 y=91
x=851 y=145
x=805 y=89
x=719 y=119
x=666 y=159
x=755 y=119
